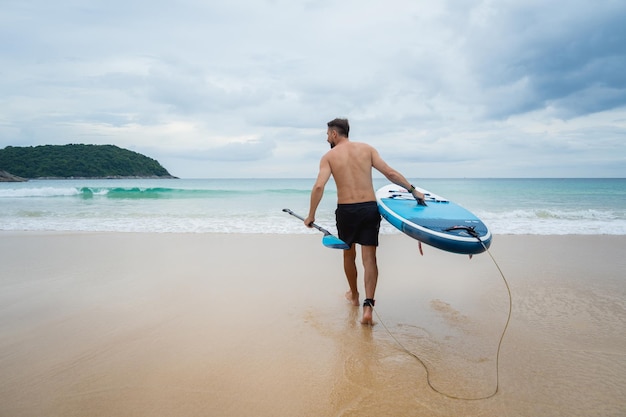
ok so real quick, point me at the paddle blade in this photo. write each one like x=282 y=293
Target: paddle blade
x=333 y=242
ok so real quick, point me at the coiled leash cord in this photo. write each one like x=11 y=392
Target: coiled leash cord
x=454 y=397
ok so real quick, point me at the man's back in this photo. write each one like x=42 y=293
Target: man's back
x=351 y=167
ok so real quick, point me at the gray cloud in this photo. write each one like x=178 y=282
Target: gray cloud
x=550 y=55
x=441 y=88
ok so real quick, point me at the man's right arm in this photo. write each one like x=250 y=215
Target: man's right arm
x=318 y=190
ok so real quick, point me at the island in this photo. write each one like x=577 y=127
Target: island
x=76 y=161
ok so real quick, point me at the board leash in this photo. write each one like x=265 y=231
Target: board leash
x=506 y=326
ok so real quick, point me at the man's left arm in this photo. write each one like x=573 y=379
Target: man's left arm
x=395 y=177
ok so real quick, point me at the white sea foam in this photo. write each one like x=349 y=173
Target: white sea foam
x=39 y=221
x=255 y=206
x=38 y=192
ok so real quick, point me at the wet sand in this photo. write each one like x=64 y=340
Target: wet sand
x=120 y=324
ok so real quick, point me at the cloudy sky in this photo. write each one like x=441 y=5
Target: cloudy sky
x=244 y=88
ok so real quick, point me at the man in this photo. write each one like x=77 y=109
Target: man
x=357 y=216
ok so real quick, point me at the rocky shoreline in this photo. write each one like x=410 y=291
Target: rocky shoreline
x=113 y=177
x=8 y=177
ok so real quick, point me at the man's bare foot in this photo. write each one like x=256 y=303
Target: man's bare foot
x=367 y=316
x=368 y=309
x=352 y=298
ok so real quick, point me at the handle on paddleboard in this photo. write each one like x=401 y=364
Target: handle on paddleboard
x=328 y=240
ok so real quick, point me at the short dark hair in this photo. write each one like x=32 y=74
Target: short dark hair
x=341 y=126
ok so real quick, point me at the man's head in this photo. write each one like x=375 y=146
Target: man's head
x=337 y=128
x=341 y=126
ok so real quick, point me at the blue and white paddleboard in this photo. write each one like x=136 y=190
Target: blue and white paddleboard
x=441 y=223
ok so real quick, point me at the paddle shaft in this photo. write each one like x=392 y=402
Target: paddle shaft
x=321 y=229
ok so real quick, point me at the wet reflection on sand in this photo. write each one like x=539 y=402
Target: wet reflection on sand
x=168 y=325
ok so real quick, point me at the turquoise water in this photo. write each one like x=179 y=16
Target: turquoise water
x=507 y=206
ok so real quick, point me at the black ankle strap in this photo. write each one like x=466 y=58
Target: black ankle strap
x=369 y=302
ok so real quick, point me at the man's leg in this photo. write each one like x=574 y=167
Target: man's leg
x=349 y=267
x=370 y=267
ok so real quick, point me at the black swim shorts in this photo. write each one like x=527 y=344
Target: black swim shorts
x=358 y=223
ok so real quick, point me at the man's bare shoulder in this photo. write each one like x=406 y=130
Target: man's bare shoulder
x=361 y=144
x=351 y=150
x=365 y=147
x=358 y=146
x=363 y=150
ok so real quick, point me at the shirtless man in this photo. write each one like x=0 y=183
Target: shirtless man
x=358 y=219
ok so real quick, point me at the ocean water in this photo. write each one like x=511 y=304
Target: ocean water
x=507 y=206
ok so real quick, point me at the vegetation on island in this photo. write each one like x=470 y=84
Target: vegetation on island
x=78 y=161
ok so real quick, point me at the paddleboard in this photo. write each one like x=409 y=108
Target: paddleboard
x=441 y=223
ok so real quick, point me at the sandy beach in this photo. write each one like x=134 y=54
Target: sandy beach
x=121 y=324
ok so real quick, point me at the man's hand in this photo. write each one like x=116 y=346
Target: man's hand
x=309 y=221
x=420 y=197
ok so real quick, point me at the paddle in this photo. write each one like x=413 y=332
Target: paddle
x=328 y=240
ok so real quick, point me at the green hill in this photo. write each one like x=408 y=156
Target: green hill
x=78 y=161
